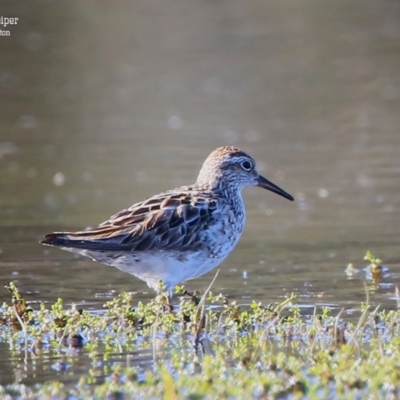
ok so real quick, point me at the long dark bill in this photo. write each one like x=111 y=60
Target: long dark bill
x=266 y=184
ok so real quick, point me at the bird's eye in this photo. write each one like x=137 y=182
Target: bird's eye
x=247 y=165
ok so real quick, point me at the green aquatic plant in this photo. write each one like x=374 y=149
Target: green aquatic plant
x=206 y=346
x=375 y=265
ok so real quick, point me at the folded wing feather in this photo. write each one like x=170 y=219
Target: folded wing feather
x=165 y=222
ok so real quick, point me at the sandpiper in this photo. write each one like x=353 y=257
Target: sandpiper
x=180 y=234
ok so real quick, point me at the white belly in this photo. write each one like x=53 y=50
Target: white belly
x=171 y=268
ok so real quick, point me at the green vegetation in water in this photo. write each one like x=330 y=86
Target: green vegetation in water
x=375 y=266
x=208 y=347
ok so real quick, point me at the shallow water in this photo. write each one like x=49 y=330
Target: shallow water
x=106 y=107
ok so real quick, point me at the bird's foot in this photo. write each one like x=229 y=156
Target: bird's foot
x=195 y=296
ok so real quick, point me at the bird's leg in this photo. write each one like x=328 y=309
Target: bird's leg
x=169 y=302
x=166 y=301
x=164 y=293
x=194 y=296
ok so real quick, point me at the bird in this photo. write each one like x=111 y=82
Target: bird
x=180 y=234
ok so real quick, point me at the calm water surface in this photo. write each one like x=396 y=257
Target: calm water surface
x=105 y=107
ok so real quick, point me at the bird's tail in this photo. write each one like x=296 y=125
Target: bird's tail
x=89 y=240
x=64 y=239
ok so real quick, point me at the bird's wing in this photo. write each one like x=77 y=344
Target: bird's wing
x=165 y=222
